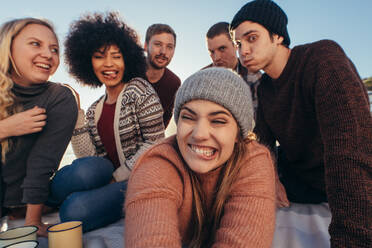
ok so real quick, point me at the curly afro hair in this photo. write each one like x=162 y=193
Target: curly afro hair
x=94 y=31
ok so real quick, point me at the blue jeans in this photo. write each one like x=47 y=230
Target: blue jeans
x=84 y=192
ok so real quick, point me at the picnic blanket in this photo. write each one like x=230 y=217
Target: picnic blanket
x=299 y=226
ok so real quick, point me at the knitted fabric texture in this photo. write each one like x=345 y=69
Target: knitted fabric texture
x=318 y=110
x=267 y=13
x=221 y=86
x=138 y=123
x=159 y=201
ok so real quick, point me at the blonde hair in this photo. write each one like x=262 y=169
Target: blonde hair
x=206 y=224
x=8 y=31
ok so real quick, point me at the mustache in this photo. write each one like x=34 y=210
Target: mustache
x=161 y=56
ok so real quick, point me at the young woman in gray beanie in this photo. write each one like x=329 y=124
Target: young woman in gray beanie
x=210 y=185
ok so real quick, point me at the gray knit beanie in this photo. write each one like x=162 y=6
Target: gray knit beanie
x=265 y=12
x=221 y=86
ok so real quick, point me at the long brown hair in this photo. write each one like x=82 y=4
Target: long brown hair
x=8 y=31
x=206 y=223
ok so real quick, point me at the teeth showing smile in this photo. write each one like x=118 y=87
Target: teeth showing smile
x=45 y=66
x=111 y=75
x=205 y=151
x=109 y=72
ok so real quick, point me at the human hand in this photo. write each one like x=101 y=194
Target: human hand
x=26 y=122
x=33 y=217
x=76 y=95
x=42 y=228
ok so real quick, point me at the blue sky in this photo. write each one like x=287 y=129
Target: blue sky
x=347 y=22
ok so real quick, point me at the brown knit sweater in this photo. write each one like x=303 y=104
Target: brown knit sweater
x=318 y=110
x=158 y=206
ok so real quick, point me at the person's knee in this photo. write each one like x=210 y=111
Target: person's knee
x=74 y=208
x=87 y=169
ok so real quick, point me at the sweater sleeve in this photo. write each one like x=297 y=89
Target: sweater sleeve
x=249 y=213
x=150 y=118
x=345 y=123
x=81 y=142
x=49 y=147
x=153 y=198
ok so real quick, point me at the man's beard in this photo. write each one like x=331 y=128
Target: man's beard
x=154 y=64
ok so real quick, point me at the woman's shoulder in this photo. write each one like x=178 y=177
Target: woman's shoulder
x=140 y=92
x=158 y=171
x=93 y=106
x=59 y=91
x=139 y=86
x=258 y=158
x=257 y=149
x=164 y=152
x=257 y=174
x=59 y=99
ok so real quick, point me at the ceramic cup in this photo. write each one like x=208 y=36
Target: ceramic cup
x=18 y=234
x=67 y=234
x=24 y=244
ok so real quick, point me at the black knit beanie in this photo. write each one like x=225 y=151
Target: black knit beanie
x=267 y=13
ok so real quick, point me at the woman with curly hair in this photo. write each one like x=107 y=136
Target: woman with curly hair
x=37 y=117
x=210 y=185
x=118 y=127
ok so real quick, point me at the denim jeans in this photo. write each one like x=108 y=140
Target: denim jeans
x=84 y=192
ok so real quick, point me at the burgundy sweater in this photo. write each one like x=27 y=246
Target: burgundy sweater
x=318 y=110
x=166 y=89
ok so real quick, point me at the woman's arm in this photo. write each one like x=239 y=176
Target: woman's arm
x=249 y=213
x=50 y=145
x=152 y=202
x=149 y=113
x=150 y=119
x=33 y=217
x=81 y=141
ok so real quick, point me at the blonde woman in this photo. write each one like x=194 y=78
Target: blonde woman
x=37 y=117
x=210 y=185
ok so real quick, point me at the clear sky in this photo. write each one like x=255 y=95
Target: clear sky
x=347 y=22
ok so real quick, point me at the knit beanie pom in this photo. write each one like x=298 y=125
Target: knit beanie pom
x=222 y=86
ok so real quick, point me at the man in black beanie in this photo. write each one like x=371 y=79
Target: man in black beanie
x=313 y=102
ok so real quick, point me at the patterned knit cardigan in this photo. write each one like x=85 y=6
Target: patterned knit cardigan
x=138 y=124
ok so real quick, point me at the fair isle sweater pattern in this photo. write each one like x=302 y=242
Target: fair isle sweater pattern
x=138 y=124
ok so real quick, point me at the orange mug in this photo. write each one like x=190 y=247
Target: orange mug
x=67 y=234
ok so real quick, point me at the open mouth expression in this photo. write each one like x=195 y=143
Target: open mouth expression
x=108 y=65
x=206 y=135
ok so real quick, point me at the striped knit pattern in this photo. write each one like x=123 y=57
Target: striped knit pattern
x=138 y=124
x=158 y=206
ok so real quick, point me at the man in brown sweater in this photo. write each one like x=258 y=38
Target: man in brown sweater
x=313 y=102
x=160 y=45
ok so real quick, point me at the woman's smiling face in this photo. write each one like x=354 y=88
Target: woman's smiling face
x=35 y=53
x=206 y=135
x=108 y=65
